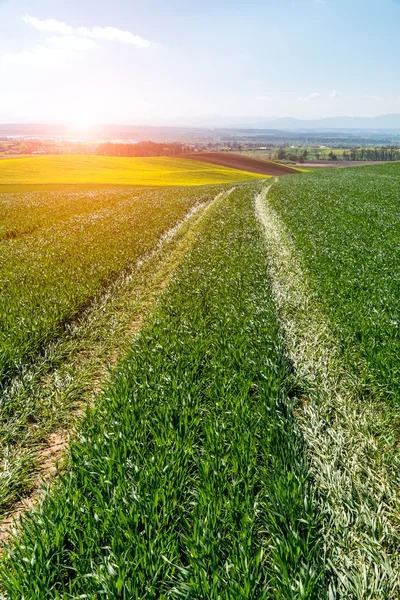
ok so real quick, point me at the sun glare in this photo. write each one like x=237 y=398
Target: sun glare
x=82 y=122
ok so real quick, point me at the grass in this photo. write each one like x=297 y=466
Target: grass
x=85 y=169
x=188 y=479
x=79 y=267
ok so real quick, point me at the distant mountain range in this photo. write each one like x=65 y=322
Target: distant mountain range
x=172 y=130
x=383 y=122
x=389 y=122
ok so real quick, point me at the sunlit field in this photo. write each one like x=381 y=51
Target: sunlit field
x=233 y=351
x=116 y=171
x=191 y=460
x=347 y=225
x=343 y=227
x=199 y=300
x=63 y=254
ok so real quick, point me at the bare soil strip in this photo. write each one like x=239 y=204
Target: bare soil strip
x=354 y=456
x=122 y=310
x=242 y=163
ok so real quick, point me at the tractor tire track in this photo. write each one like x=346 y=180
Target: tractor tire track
x=354 y=458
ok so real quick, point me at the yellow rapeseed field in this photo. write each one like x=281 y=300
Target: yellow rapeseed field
x=116 y=171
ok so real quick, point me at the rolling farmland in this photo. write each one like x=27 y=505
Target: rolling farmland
x=53 y=264
x=347 y=225
x=101 y=170
x=64 y=272
x=242 y=162
x=339 y=303
x=193 y=432
x=228 y=357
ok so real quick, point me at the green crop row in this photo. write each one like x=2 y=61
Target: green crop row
x=188 y=479
x=77 y=280
x=346 y=224
x=317 y=247
x=60 y=248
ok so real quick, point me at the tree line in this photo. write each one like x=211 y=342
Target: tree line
x=142 y=149
x=384 y=153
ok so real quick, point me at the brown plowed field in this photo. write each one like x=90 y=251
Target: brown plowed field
x=243 y=163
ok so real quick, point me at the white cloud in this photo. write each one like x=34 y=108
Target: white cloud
x=312 y=96
x=98 y=33
x=334 y=94
x=53 y=54
x=113 y=35
x=54 y=51
x=49 y=25
x=263 y=98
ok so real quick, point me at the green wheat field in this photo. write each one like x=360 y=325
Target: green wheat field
x=217 y=355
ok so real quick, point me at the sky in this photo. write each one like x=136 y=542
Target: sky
x=187 y=61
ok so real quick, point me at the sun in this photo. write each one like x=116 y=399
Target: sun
x=82 y=122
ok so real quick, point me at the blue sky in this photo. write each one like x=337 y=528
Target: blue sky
x=145 y=61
